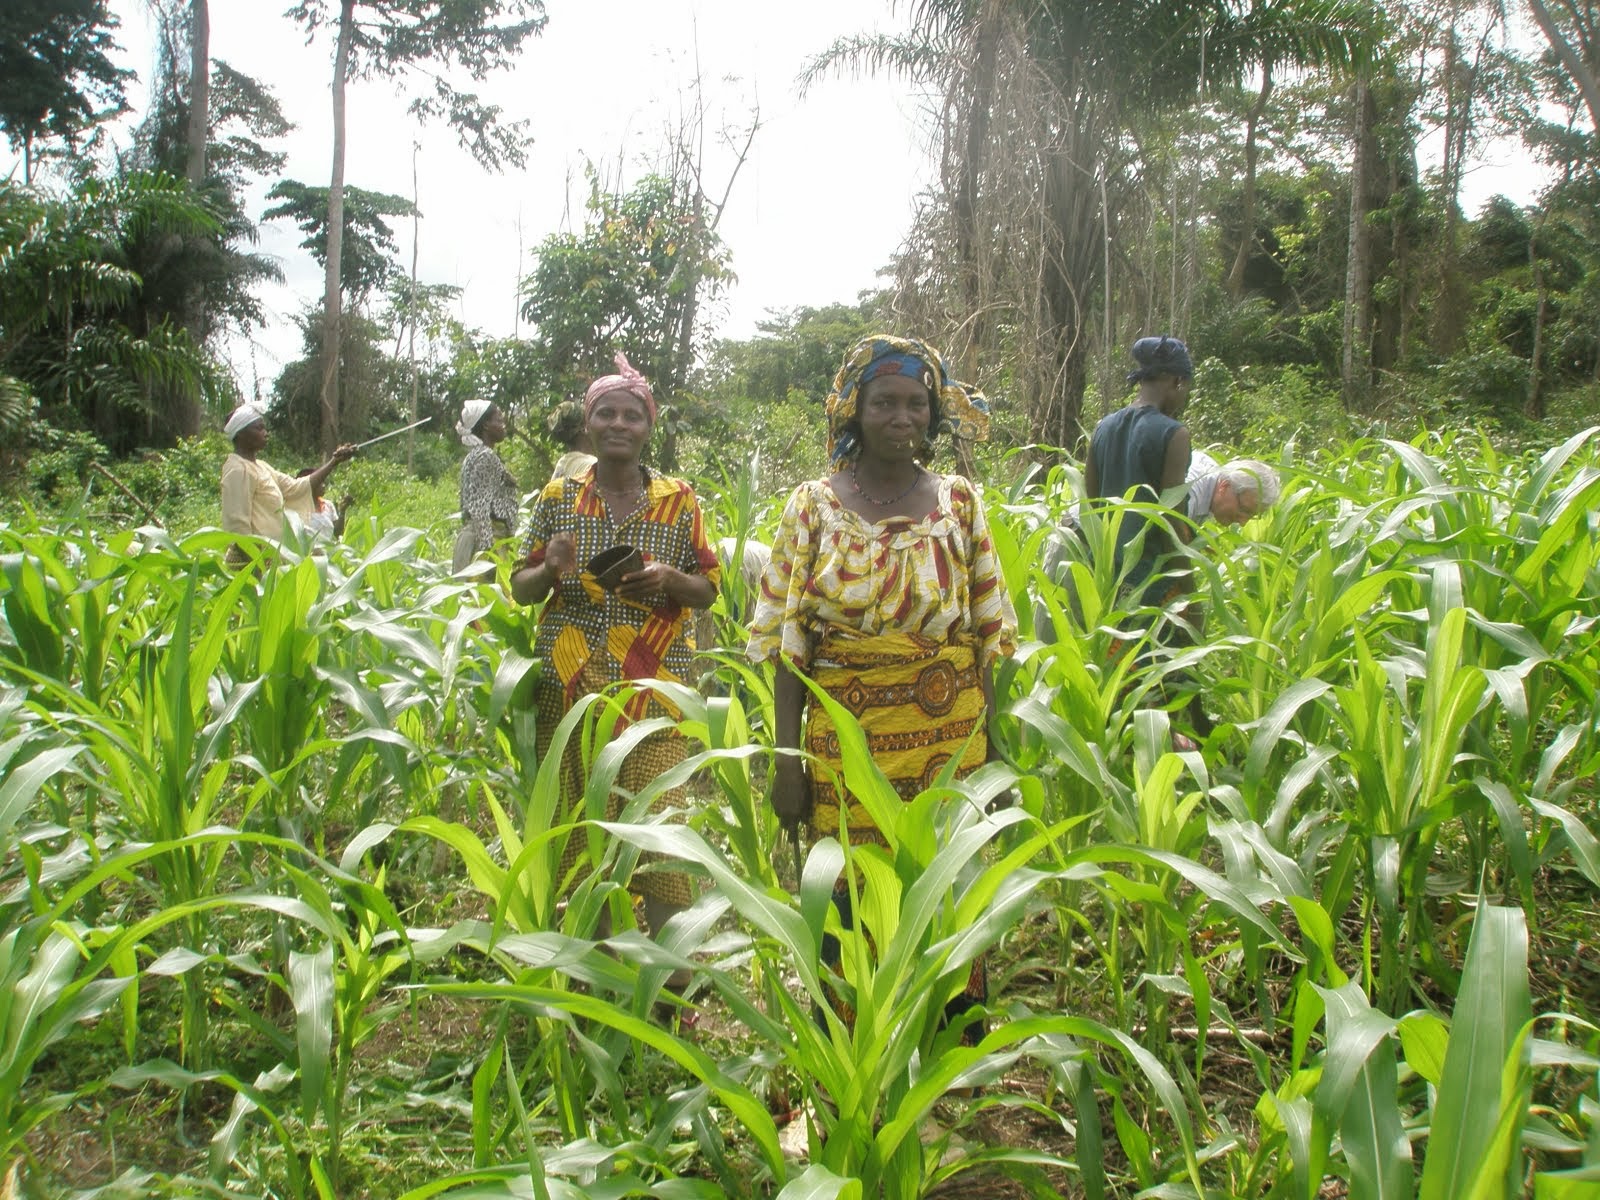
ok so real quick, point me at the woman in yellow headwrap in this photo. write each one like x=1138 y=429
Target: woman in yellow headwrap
x=884 y=589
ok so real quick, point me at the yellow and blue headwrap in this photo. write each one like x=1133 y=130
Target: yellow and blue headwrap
x=958 y=409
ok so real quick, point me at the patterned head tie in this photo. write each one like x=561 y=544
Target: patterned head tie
x=1158 y=356
x=958 y=408
x=625 y=380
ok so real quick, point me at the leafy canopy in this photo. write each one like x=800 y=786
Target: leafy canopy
x=56 y=74
x=392 y=38
x=368 y=248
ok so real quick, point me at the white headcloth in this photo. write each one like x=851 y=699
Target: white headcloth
x=243 y=417
x=471 y=413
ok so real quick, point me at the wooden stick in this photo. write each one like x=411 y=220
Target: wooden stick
x=123 y=488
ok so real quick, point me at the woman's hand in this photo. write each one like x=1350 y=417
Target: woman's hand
x=561 y=553
x=652 y=579
x=657 y=579
x=345 y=452
x=791 y=790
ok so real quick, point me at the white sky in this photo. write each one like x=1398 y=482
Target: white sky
x=808 y=223
x=822 y=204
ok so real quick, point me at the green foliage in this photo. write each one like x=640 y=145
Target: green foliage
x=68 y=284
x=299 y=805
x=57 y=78
x=394 y=38
x=206 y=282
x=367 y=251
x=629 y=279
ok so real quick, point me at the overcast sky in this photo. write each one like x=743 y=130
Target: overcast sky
x=822 y=203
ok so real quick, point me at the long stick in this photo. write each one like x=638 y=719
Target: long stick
x=392 y=433
x=123 y=488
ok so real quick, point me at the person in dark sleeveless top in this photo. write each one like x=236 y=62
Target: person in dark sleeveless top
x=1142 y=450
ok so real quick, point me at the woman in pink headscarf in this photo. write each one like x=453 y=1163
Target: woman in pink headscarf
x=598 y=630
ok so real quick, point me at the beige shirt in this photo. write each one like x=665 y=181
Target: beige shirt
x=254 y=496
x=572 y=464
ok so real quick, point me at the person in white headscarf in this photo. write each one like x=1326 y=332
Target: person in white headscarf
x=255 y=495
x=489 y=495
x=1230 y=493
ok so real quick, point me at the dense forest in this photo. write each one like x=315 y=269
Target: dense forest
x=281 y=899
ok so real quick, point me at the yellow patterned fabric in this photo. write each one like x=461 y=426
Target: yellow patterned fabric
x=833 y=569
x=590 y=638
x=654 y=756
x=897 y=620
x=585 y=629
x=920 y=704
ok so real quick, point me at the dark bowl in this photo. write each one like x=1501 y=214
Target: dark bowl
x=609 y=566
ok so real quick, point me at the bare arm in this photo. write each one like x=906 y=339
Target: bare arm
x=1174 y=471
x=320 y=476
x=791 y=795
x=986 y=683
x=529 y=585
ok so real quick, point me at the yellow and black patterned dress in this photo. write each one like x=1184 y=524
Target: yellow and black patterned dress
x=897 y=620
x=590 y=638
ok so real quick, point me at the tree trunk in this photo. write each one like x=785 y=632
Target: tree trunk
x=1356 y=359
x=411 y=342
x=1247 y=230
x=199 y=91
x=1533 y=408
x=974 y=160
x=190 y=414
x=332 y=316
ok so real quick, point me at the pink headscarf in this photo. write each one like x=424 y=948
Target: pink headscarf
x=625 y=380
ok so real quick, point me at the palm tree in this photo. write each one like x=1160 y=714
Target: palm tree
x=1041 y=101
x=67 y=287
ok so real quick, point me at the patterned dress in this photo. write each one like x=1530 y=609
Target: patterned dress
x=898 y=620
x=590 y=638
x=489 y=498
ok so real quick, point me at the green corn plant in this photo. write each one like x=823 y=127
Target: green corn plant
x=338 y=991
x=1349 y=1114
x=895 y=976
x=1401 y=750
x=55 y=972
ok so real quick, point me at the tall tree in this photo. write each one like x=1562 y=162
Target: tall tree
x=1042 y=102
x=1356 y=363
x=69 y=289
x=56 y=74
x=203 y=282
x=199 y=124
x=396 y=39
x=643 y=259
x=365 y=243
